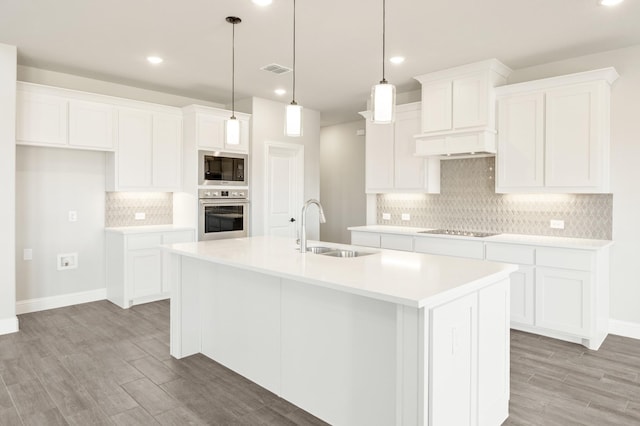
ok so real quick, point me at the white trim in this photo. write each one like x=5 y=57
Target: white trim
x=607 y=74
x=624 y=328
x=53 y=302
x=8 y=325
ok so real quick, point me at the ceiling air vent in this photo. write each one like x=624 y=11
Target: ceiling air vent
x=276 y=69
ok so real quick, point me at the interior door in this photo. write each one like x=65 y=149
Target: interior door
x=285 y=183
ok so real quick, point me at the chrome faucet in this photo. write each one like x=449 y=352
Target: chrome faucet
x=303 y=228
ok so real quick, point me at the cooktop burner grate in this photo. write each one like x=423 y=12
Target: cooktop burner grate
x=455 y=232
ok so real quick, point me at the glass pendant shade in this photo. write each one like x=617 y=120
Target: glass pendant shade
x=233 y=131
x=293 y=120
x=383 y=103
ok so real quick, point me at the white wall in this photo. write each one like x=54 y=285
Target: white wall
x=8 y=319
x=70 y=81
x=342 y=180
x=267 y=125
x=625 y=173
x=50 y=182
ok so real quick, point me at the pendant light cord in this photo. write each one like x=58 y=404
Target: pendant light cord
x=233 y=71
x=293 y=100
x=384 y=30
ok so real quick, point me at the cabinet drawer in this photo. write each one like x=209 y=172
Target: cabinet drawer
x=177 y=237
x=145 y=241
x=447 y=247
x=521 y=255
x=565 y=258
x=368 y=239
x=396 y=242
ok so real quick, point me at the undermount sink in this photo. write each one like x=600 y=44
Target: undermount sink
x=334 y=252
x=346 y=253
x=319 y=250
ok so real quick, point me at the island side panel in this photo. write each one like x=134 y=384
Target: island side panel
x=410 y=366
x=241 y=322
x=185 y=320
x=339 y=355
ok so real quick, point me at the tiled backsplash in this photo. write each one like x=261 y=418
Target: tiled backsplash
x=467 y=201
x=121 y=208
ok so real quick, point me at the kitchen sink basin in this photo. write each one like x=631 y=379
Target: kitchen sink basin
x=319 y=250
x=346 y=253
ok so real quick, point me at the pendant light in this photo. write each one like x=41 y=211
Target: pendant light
x=233 y=125
x=383 y=95
x=293 y=112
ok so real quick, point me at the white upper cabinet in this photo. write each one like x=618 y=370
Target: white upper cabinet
x=390 y=161
x=554 y=134
x=208 y=125
x=149 y=154
x=49 y=116
x=458 y=109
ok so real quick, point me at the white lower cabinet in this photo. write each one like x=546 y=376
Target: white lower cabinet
x=396 y=242
x=135 y=268
x=557 y=292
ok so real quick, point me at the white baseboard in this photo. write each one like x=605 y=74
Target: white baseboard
x=8 y=325
x=624 y=328
x=53 y=302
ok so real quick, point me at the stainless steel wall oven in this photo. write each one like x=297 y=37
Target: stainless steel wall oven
x=223 y=213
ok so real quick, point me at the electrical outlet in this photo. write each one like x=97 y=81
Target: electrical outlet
x=386 y=216
x=67 y=261
x=360 y=132
x=406 y=216
x=140 y=216
x=73 y=216
x=557 y=224
x=27 y=254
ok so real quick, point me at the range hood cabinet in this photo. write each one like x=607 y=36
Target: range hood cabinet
x=457 y=145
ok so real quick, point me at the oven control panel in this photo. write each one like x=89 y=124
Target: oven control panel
x=223 y=193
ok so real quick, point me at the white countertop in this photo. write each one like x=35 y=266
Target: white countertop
x=147 y=228
x=411 y=279
x=536 y=240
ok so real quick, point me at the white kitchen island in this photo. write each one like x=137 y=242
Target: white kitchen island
x=391 y=338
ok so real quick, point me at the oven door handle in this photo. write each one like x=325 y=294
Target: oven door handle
x=223 y=202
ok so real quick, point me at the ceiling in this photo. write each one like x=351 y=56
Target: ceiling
x=339 y=42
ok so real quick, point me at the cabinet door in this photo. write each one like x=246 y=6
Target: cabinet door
x=41 y=119
x=91 y=125
x=522 y=295
x=520 y=158
x=134 y=148
x=449 y=247
x=167 y=151
x=379 y=155
x=144 y=273
x=452 y=357
x=409 y=170
x=367 y=239
x=563 y=300
x=573 y=139
x=470 y=101
x=396 y=242
x=436 y=106
x=209 y=131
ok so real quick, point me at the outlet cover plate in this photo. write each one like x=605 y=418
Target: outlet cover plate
x=406 y=216
x=140 y=216
x=556 y=224
x=386 y=216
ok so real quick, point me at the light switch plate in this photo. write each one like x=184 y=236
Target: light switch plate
x=73 y=216
x=27 y=254
x=557 y=224
x=406 y=216
x=386 y=216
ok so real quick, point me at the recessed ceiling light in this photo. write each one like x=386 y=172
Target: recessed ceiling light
x=610 y=2
x=262 y=2
x=279 y=92
x=155 y=60
x=397 y=59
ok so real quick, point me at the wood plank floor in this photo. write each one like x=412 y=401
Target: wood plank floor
x=98 y=364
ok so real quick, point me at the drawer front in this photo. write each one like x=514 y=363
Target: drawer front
x=459 y=248
x=396 y=242
x=580 y=260
x=144 y=241
x=367 y=239
x=178 y=237
x=522 y=255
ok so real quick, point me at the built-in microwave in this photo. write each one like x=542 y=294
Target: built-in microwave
x=223 y=168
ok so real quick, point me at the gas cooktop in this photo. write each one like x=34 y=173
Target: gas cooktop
x=459 y=233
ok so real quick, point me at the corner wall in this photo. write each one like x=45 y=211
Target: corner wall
x=8 y=64
x=342 y=183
